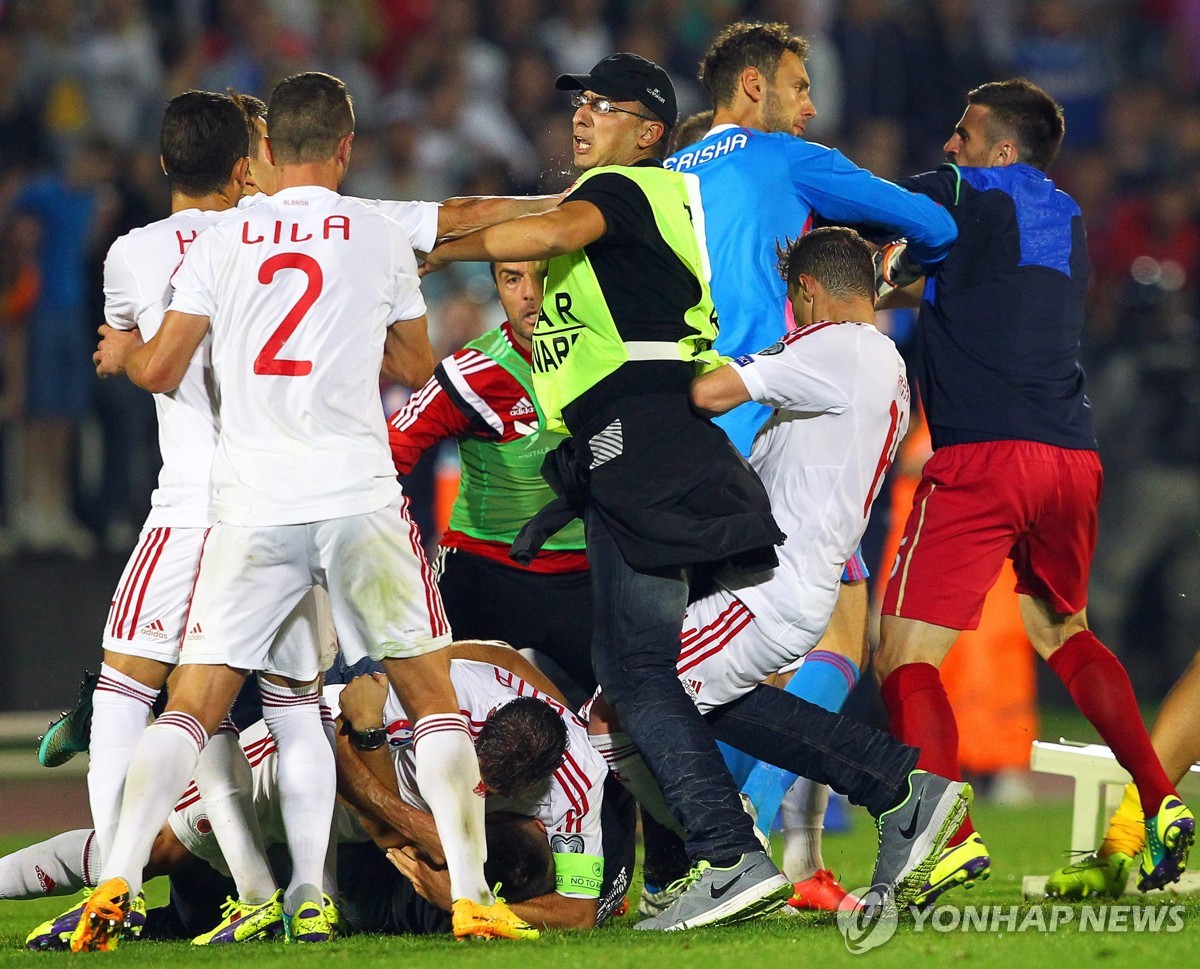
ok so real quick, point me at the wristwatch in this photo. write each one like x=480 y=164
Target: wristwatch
x=370 y=739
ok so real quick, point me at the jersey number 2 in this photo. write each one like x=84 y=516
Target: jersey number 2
x=268 y=361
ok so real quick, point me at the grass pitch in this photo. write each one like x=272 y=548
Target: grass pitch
x=1027 y=840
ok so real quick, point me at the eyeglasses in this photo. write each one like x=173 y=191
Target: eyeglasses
x=603 y=106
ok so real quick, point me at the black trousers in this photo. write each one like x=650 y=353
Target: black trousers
x=549 y=612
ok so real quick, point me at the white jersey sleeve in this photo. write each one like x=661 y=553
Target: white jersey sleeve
x=408 y=303
x=799 y=381
x=122 y=294
x=419 y=220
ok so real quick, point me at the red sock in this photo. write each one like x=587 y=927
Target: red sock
x=920 y=715
x=1101 y=689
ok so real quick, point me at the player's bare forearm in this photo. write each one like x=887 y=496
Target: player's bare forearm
x=408 y=354
x=158 y=365
x=556 y=911
x=459 y=216
x=719 y=391
x=567 y=228
x=509 y=659
x=361 y=781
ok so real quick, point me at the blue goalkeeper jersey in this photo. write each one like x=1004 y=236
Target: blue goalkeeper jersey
x=760 y=191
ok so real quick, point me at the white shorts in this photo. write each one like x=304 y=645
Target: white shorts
x=383 y=597
x=151 y=602
x=190 y=823
x=724 y=653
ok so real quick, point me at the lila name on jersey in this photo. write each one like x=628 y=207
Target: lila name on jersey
x=332 y=224
x=723 y=146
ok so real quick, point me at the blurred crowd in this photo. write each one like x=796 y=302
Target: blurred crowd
x=456 y=97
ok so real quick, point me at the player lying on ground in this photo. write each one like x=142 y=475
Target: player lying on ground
x=563 y=787
x=375 y=897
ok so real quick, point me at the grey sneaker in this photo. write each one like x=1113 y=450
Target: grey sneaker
x=913 y=834
x=721 y=896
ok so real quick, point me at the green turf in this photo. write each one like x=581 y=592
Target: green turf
x=1022 y=841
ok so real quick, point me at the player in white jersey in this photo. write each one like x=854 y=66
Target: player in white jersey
x=841 y=399
x=204 y=141
x=535 y=761
x=307 y=296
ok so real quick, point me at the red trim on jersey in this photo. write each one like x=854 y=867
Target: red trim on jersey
x=431 y=415
x=548 y=560
x=507 y=329
x=803 y=331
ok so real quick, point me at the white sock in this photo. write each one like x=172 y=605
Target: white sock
x=120 y=709
x=162 y=765
x=307 y=784
x=627 y=766
x=803 y=819
x=448 y=778
x=329 y=884
x=59 y=866
x=225 y=783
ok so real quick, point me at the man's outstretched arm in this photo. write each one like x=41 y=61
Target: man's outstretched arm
x=458 y=217
x=567 y=228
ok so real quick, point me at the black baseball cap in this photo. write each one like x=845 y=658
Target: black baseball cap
x=628 y=77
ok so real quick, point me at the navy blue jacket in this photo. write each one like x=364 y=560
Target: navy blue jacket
x=1001 y=316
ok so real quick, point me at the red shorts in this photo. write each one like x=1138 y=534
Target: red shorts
x=980 y=503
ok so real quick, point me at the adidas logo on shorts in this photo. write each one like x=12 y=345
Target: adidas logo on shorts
x=195 y=633
x=153 y=630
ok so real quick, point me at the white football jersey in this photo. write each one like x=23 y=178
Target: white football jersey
x=137 y=288
x=300 y=289
x=569 y=806
x=842 y=401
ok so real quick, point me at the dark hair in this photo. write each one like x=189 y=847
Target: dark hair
x=690 y=131
x=253 y=108
x=834 y=256
x=518 y=856
x=743 y=45
x=307 y=117
x=521 y=745
x=1022 y=111
x=203 y=135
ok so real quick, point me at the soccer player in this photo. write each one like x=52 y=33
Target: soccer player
x=204 y=144
x=308 y=295
x=1176 y=739
x=535 y=761
x=483 y=397
x=376 y=898
x=762 y=185
x=627 y=321
x=1014 y=471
